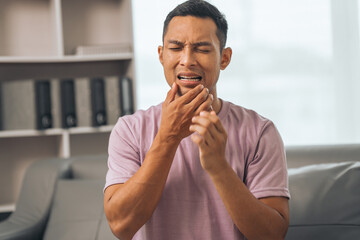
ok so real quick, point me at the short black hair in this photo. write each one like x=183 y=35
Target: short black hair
x=201 y=9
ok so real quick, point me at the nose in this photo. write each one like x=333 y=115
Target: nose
x=187 y=58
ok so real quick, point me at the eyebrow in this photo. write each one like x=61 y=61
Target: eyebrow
x=197 y=44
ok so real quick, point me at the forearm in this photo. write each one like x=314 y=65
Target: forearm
x=252 y=217
x=133 y=202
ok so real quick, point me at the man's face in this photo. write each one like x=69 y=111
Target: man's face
x=191 y=53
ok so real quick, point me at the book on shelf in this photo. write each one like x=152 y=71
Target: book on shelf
x=68 y=106
x=112 y=95
x=64 y=103
x=26 y=104
x=126 y=96
x=98 y=103
x=83 y=101
x=1 y=107
x=89 y=99
x=55 y=102
x=43 y=104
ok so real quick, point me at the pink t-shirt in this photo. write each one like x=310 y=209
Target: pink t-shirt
x=190 y=207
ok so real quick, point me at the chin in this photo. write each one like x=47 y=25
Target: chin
x=183 y=90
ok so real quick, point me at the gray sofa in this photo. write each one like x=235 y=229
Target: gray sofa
x=62 y=198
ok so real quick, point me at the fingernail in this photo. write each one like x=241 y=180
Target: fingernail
x=207 y=90
x=173 y=85
x=212 y=97
x=202 y=86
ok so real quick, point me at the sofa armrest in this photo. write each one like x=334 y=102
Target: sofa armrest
x=32 y=208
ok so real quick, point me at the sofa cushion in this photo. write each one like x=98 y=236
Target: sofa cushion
x=325 y=200
x=77 y=211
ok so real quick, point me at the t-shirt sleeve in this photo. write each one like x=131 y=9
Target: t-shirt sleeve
x=123 y=160
x=267 y=170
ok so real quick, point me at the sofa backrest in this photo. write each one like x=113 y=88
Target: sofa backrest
x=324 y=183
x=89 y=167
x=298 y=156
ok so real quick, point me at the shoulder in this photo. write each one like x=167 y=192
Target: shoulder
x=248 y=129
x=140 y=118
x=241 y=117
x=140 y=124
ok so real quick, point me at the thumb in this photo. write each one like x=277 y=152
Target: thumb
x=171 y=93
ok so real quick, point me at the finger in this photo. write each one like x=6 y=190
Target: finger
x=191 y=95
x=204 y=119
x=171 y=93
x=206 y=105
x=201 y=98
x=217 y=123
x=203 y=132
x=197 y=139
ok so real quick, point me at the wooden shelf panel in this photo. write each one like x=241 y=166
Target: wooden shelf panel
x=30 y=133
x=64 y=69
x=27 y=28
x=85 y=130
x=54 y=132
x=68 y=59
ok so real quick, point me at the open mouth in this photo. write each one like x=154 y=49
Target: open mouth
x=190 y=78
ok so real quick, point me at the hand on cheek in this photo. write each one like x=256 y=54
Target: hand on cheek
x=211 y=138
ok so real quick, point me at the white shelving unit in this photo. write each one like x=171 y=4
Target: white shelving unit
x=38 y=40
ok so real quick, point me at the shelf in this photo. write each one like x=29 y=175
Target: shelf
x=68 y=59
x=54 y=132
x=65 y=67
x=85 y=130
x=54 y=40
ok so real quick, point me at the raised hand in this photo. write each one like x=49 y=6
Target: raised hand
x=177 y=112
x=211 y=137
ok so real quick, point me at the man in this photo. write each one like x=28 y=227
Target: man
x=196 y=166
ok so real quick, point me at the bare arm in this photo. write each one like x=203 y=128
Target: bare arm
x=256 y=219
x=129 y=206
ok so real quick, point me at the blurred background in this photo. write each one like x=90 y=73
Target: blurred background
x=295 y=62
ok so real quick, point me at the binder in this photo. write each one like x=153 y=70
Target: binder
x=83 y=101
x=126 y=96
x=43 y=104
x=98 y=104
x=55 y=102
x=112 y=94
x=18 y=105
x=1 y=107
x=68 y=107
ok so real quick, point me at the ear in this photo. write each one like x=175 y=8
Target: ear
x=225 y=58
x=160 y=52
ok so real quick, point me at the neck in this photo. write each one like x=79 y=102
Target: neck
x=216 y=105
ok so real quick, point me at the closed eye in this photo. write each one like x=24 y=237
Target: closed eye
x=204 y=50
x=175 y=48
